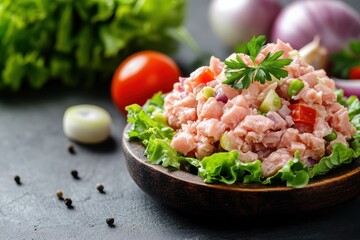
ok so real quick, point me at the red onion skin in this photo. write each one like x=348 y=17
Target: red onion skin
x=222 y=98
x=237 y=21
x=334 y=21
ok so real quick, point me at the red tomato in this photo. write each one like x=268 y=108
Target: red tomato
x=140 y=76
x=301 y=113
x=354 y=72
x=204 y=75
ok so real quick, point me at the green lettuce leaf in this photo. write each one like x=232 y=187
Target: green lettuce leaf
x=340 y=155
x=225 y=167
x=160 y=152
x=294 y=173
x=250 y=172
x=353 y=107
x=144 y=119
x=219 y=167
x=80 y=43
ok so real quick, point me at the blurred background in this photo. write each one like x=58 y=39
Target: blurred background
x=211 y=41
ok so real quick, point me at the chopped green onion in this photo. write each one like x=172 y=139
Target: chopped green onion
x=331 y=137
x=272 y=102
x=207 y=92
x=295 y=87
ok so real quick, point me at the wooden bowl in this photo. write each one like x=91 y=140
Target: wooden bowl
x=188 y=193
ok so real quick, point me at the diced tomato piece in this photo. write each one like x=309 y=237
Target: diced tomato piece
x=205 y=75
x=354 y=72
x=301 y=113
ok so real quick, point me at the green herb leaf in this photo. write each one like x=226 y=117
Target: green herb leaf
x=255 y=45
x=240 y=75
x=79 y=43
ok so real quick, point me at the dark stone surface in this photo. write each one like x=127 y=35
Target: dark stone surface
x=33 y=146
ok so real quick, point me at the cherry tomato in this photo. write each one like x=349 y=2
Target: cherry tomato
x=301 y=113
x=354 y=72
x=140 y=76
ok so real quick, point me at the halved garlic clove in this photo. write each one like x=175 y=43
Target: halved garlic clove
x=314 y=54
x=88 y=124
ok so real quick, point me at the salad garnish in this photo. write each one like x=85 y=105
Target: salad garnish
x=240 y=75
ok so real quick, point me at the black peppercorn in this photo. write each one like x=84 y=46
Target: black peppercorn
x=17 y=180
x=71 y=149
x=75 y=174
x=100 y=187
x=59 y=194
x=68 y=202
x=110 y=221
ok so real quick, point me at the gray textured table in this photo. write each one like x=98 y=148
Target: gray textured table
x=33 y=146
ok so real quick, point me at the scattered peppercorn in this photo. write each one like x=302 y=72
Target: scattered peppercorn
x=68 y=202
x=71 y=149
x=17 y=180
x=75 y=174
x=59 y=194
x=100 y=187
x=110 y=221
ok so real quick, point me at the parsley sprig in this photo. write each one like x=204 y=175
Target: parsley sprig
x=240 y=75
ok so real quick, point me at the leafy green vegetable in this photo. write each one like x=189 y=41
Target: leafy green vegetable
x=81 y=42
x=159 y=151
x=240 y=75
x=340 y=155
x=340 y=97
x=143 y=123
x=220 y=167
x=294 y=173
x=353 y=108
x=345 y=59
x=225 y=167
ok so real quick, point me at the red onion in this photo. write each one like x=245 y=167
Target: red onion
x=220 y=96
x=272 y=117
x=237 y=21
x=334 y=22
x=310 y=162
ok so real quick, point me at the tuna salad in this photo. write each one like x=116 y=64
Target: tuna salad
x=253 y=117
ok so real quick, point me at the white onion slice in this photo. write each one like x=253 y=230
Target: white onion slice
x=87 y=124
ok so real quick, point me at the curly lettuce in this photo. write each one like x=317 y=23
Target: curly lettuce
x=148 y=124
x=79 y=43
